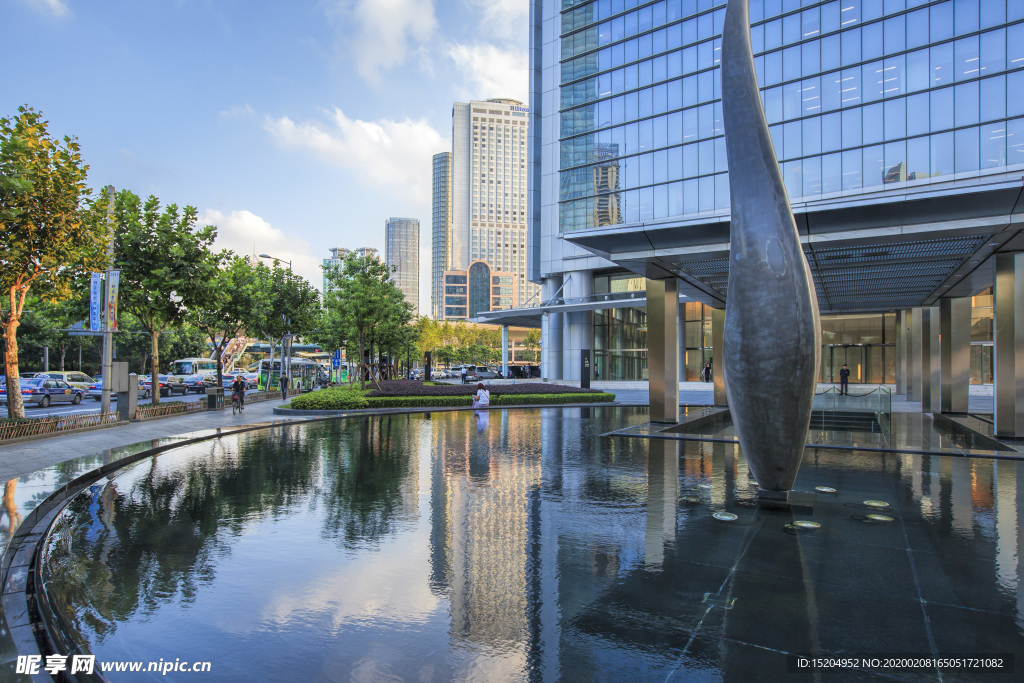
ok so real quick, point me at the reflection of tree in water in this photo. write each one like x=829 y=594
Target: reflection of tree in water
x=149 y=538
x=363 y=479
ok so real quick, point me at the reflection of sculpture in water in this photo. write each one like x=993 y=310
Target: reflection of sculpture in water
x=483 y=418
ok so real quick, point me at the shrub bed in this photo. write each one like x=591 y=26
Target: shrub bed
x=399 y=387
x=338 y=398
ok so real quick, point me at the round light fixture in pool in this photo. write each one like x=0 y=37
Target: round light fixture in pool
x=805 y=524
x=703 y=486
x=692 y=499
x=876 y=503
x=725 y=516
x=880 y=518
x=825 y=489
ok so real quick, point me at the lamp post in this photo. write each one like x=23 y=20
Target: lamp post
x=287 y=337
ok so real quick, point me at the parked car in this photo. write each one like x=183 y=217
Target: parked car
x=475 y=373
x=42 y=391
x=252 y=379
x=75 y=379
x=169 y=385
x=199 y=383
x=96 y=390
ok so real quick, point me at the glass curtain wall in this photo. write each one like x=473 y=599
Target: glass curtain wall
x=859 y=95
x=866 y=344
x=696 y=339
x=620 y=344
x=982 y=338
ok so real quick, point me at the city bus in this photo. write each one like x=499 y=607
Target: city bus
x=305 y=374
x=193 y=366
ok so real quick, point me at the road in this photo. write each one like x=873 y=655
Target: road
x=88 y=405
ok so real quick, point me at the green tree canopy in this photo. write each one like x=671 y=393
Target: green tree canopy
x=167 y=268
x=223 y=315
x=51 y=234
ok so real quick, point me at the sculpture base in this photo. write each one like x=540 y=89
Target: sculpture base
x=792 y=501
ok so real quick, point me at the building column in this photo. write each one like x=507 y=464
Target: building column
x=663 y=349
x=902 y=345
x=717 y=365
x=930 y=366
x=681 y=325
x=578 y=326
x=504 y=351
x=1009 y=344
x=955 y=341
x=551 y=333
x=914 y=355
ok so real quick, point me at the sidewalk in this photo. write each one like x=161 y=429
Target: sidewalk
x=20 y=459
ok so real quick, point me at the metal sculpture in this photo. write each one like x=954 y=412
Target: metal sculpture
x=772 y=330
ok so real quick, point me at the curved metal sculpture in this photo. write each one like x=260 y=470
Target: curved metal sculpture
x=772 y=339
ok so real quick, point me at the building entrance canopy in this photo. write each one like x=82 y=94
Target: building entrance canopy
x=895 y=249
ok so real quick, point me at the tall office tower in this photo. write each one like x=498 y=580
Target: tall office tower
x=363 y=252
x=899 y=132
x=402 y=252
x=489 y=189
x=337 y=258
x=441 y=234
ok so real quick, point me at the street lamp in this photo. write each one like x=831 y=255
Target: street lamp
x=284 y=370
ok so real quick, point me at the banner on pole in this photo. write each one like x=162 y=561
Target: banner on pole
x=95 y=302
x=113 y=280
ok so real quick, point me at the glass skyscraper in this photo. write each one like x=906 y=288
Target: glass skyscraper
x=441 y=231
x=402 y=253
x=898 y=126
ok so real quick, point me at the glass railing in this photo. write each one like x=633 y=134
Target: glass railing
x=861 y=402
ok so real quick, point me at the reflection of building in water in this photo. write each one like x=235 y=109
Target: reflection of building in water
x=606 y=185
x=481 y=504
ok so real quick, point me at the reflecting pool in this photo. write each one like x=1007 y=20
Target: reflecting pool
x=521 y=544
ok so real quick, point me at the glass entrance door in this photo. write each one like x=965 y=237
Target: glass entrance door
x=833 y=358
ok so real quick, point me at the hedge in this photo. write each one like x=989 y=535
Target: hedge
x=337 y=398
x=328 y=399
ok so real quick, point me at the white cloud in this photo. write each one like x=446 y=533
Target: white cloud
x=386 y=32
x=246 y=234
x=238 y=111
x=55 y=7
x=491 y=71
x=505 y=19
x=385 y=153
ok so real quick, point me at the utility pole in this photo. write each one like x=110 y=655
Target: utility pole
x=108 y=333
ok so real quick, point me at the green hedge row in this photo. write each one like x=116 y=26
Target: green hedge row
x=338 y=398
x=344 y=399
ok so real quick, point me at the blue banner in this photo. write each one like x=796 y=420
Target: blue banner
x=95 y=302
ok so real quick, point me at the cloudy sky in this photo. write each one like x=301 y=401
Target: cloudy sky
x=292 y=126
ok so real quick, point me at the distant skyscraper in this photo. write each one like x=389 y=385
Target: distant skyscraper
x=441 y=233
x=337 y=257
x=402 y=252
x=488 y=196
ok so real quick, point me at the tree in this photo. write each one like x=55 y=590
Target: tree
x=232 y=299
x=51 y=234
x=282 y=303
x=167 y=268
x=532 y=342
x=368 y=302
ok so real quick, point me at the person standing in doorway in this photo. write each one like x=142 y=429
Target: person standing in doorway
x=844 y=381
x=705 y=374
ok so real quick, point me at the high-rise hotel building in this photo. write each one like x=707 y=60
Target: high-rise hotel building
x=441 y=232
x=488 y=193
x=402 y=253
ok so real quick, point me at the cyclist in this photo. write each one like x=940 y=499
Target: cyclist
x=238 y=391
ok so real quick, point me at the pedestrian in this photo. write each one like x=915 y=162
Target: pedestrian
x=705 y=374
x=482 y=398
x=844 y=380
x=284 y=385
x=464 y=371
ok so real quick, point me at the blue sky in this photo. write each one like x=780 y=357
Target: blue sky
x=292 y=126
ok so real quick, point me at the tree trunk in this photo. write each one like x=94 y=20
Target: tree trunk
x=154 y=380
x=359 y=363
x=218 y=354
x=15 y=406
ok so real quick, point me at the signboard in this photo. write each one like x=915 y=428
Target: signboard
x=113 y=280
x=95 y=302
x=426 y=366
x=585 y=369
x=344 y=374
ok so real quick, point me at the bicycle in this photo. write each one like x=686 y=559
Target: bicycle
x=237 y=404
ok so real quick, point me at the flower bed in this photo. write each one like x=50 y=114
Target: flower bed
x=401 y=387
x=352 y=399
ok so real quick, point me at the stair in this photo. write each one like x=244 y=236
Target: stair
x=844 y=421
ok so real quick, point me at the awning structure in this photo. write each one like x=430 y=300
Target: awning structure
x=896 y=248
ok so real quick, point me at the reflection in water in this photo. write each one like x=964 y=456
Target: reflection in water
x=446 y=547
